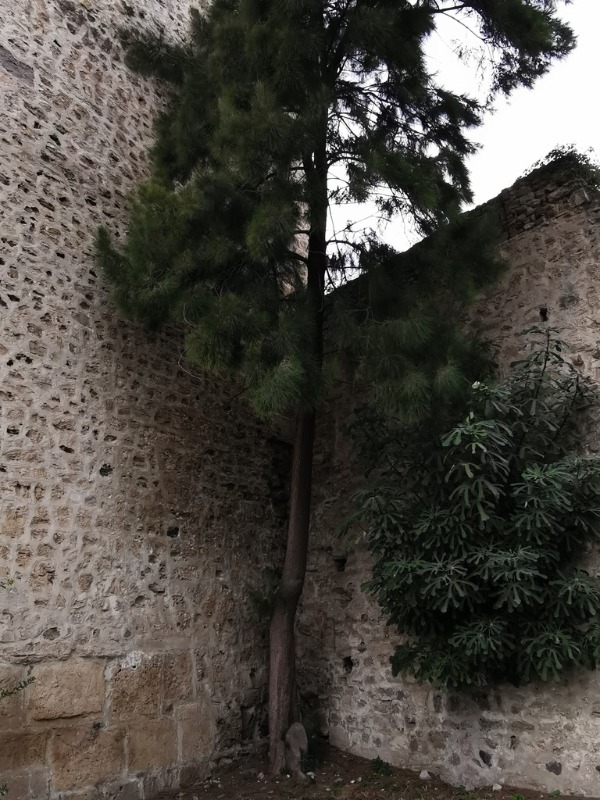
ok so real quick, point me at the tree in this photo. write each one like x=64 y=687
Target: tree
x=478 y=534
x=271 y=100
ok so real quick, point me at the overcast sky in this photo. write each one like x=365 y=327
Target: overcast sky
x=562 y=108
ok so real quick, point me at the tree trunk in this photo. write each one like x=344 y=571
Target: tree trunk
x=282 y=684
x=282 y=668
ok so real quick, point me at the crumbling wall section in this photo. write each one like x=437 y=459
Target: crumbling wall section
x=134 y=497
x=541 y=735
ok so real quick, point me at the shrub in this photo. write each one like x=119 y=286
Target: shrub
x=381 y=767
x=478 y=534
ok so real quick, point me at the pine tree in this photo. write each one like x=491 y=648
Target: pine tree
x=271 y=98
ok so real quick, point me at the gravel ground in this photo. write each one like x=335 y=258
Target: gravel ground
x=338 y=776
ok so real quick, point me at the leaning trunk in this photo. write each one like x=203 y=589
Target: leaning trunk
x=282 y=689
x=283 y=709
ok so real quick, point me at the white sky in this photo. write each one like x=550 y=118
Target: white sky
x=562 y=108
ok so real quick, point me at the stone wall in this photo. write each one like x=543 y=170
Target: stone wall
x=545 y=736
x=136 y=500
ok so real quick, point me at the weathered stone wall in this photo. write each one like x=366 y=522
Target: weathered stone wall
x=135 y=498
x=138 y=502
x=546 y=736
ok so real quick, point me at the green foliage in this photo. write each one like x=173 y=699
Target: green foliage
x=400 y=322
x=572 y=165
x=381 y=767
x=14 y=689
x=278 y=111
x=478 y=533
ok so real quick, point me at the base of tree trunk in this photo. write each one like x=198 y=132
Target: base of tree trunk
x=282 y=683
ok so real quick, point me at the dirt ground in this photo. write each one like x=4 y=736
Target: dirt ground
x=338 y=776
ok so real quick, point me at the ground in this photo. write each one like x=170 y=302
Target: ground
x=338 y=776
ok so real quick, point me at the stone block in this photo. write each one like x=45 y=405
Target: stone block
x=90 y=793
x=194 y=773
x=438 y=739
x=84 y=756
x=11 y=710
x=12 y=523
x=66 y=689
x=27 y=785
x=155 y=782
x=122 y=790
x=338 y=737
x=21 y=749
x=177 y=679
x=15 y=67
x=152 y=744
x=197 y=730
x=135 y=691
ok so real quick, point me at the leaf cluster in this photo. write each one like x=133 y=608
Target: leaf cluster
x=397 y=324
x=569 y=164
x=478 y=534
x=4 y=693
x=381 y=767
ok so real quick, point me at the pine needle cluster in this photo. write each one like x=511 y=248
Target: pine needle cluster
x=279 y=111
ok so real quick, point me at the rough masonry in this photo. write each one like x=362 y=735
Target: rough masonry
x=545 y=736
x=137 y=501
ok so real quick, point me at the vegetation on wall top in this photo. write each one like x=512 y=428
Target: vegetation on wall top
x=569 y=163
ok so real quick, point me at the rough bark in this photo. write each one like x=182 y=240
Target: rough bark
x=282 y=668
x=282 y=687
